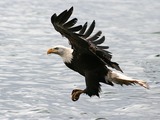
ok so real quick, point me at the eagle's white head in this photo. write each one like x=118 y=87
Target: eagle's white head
x=64 y=52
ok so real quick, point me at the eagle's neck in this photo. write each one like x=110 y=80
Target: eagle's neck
x=67 y=55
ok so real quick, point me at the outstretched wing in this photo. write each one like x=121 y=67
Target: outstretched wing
x=80 y=37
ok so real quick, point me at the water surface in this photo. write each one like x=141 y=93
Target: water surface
x=35 y=86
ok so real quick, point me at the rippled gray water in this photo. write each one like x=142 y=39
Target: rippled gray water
x=34 y=86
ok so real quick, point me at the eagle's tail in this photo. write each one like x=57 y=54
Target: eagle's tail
x=124 y=80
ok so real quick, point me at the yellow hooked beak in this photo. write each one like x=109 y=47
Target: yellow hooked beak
x=51 y=50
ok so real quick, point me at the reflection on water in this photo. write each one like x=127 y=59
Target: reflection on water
x=36 y=86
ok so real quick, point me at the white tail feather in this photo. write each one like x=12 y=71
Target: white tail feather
x=124 y=80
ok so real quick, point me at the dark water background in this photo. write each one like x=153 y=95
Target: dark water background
x=34 y=86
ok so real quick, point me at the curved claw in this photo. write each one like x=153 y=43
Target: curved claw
x=76 y=94
x=75 y=97
x=75 y=90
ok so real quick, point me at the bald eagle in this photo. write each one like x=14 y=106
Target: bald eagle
x=87 y=56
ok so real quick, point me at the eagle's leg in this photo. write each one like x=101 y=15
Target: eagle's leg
x=76 y=94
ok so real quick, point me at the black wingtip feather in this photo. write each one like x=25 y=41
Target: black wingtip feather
x=60 y=17
x=90 y=29
x=75 y=29
x=70 y=23
x=99 y=41
x=95 y=36
x=103 y=47
x=83 y=29
x=53 y=18
x=67 y=15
